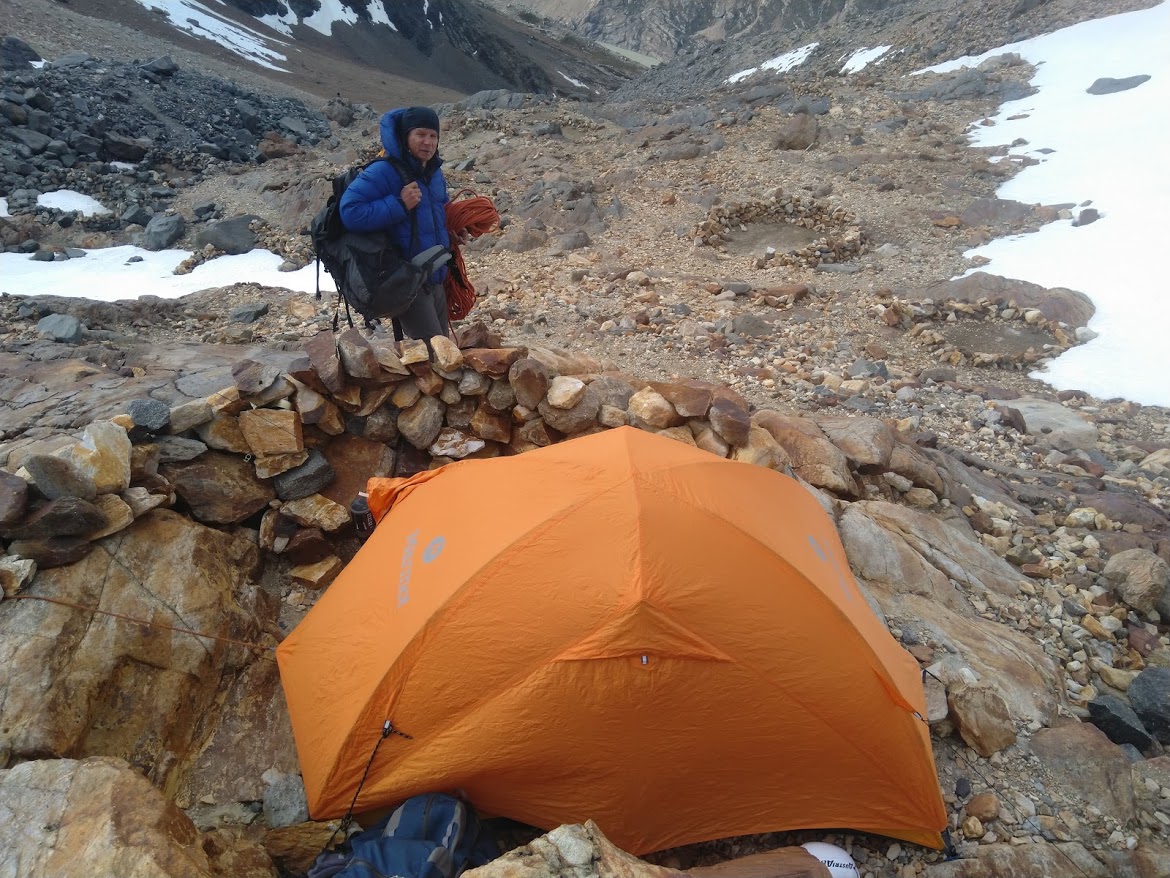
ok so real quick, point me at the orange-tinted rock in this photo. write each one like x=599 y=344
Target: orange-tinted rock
x=529 y=380
x=487 y=423
x=493 y=361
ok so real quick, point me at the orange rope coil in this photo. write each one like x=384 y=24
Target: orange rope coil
x=478 y=215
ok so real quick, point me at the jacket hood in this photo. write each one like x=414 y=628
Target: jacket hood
x=395 y=146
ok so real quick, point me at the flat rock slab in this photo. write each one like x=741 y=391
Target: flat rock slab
x=1056 y=426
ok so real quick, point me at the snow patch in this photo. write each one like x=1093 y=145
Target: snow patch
x=862 y=58
x=124 y=166
x=780 y=64
x=571 y=80
x=4 y=207
x=331 y=11
x=67 y=200
x=107 y=276
x=200 y=21
x=1108 y=151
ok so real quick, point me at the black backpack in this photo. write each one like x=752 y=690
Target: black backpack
x=372 y=274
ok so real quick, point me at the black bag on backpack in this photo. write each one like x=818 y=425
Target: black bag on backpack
x=372 y=275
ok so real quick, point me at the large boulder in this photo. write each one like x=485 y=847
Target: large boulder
x=233 y=236
x=1057 y=304
x=75 y=684
x=1081 y=758
x=814 y=458
x=1140 y=577
x=64 y=818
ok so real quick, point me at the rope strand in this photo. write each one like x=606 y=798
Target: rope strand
x=476 y=215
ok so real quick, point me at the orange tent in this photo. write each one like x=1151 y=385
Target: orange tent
x=618 y=627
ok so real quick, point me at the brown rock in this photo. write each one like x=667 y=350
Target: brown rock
x=13 y=498
x=1050 y=860
x=487 y=423
x=1140 y=577
x=650 y=409
x=317 y=575
x=317 y=511
x=386 y=353
x=984 y=806
x=429 y=383
x=1082 y=759
x=308 y=546
x=15 y=574
x=607 y=416
x=188 y=416
x=103 y=455
x=118 y=515
x=294 y=848
x=106 y=819
x=691 y=399
x=420 y=424
x=529 y=380
x=908 y=461
x=381 y=426
x=65 y=517
x=448 y=357
x=982 y=717
x=730 y=420
x=219 y=488
x=223 y=433
x=789 y=862
x=536 y=433
x=493 y=361
x=322 y=351
x=357 y=357
x=163 y=568
x=55 y=477
x=814 y=458
x=373 y=398
x=405 y=394
x=798 y=132
x=269 y=466
x=867 y=442
x=709 y=440
x=762 y=450
x=615 y=390
x=414 y=351
x=272 y=431
x=678 y=434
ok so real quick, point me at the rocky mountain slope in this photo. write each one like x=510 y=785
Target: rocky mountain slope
x=401 y=54
x=786 y=242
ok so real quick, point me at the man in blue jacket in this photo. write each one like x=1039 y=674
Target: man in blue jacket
x=381 y=199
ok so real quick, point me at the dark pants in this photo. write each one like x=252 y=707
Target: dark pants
x=426 y=317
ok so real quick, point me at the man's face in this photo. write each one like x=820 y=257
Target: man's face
x=423 y=143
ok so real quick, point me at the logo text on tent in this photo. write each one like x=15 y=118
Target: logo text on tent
x=404 y=571
x=432 y=551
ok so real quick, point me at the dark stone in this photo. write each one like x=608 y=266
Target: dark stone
x=72 y=59
x=13 y=498
x=962 y=788
x=149 y=414
x=1087 y=216
x=53 y=552
x=63 y=517
x=16 y=54
x=44 y=256
x=1149 y=694
x=1107 y=85
x=34 y=140
x=253 y=377
x=61 y=327
x=232 y=236
x=1119 y=722
x=176 y=449
x=304 y=480
x=163 y=66
x=308 y=546
x=125 y=149
x=56 y=477
x=730 y=421
x=162 y=231
x=248 y=313
x=219 y=488
x=574 y=240
x=136 y=215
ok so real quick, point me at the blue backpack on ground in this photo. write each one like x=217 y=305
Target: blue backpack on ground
x=428 y=836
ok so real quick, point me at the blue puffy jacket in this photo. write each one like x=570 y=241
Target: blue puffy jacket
x=373 y=201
